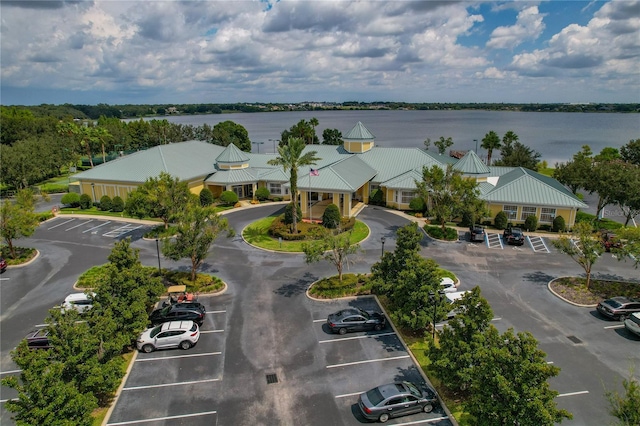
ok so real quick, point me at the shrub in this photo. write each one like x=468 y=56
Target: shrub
x=531 y=223
x=206 y=197
x=71 y=199
x=331 y=216
x=263 y=193
x=418 y=205
x=559 y=224
x=117 y=204
x=228 y=198
x=377 y=198
x=500 y=220
x=468 y=219
x=449 y=234
x=105 y=203
x=288 y=213
x=85 y=201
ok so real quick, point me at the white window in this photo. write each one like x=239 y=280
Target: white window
x=527 y=211
x=511 y=211
x=547 y=214
x=407 y=196
x=275 y=188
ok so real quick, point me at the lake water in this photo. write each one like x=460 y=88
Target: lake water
x=557 y=136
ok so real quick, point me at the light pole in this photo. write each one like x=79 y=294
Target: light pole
x=158 y=251
x=382 y=240
x=476 y=141
x=434 y=300
x=258 y=143
x=274 y=144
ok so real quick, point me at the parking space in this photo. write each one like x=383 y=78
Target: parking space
x=359 y=361
x=177 y=376
x=84 y=228
x=538 y=244
x=494 y=241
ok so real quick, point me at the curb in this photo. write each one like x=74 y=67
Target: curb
x=119 y=391
x=566 y=300
x=33 y=259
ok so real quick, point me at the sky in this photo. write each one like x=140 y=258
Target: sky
x=208 y=51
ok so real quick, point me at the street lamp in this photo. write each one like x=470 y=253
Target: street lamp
x=274 y=144
x=434 y=300
x=382 y=240
x=476 y=141
x=258 y=143
x=158 y=251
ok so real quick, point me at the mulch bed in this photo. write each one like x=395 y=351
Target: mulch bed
x=574 y=289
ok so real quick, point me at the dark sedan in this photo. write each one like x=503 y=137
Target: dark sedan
x=513 y=236
x=354 y=319
x=395 y=400
x=618 y=308
x=176 y=313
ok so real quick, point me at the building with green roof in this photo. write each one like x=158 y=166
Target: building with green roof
x=344 y=175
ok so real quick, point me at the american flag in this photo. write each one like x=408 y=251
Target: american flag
x=314 y=172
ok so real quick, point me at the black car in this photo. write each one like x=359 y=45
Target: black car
x=176 y=313
x=618 y=308
x=395 y=400
x=354 y=319
x=513 y=236
x=476 y=233
x=38 y=339
x=191 y=305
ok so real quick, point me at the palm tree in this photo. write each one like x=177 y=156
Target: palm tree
x=314 y=122
x=490 y=142
x=290 y=157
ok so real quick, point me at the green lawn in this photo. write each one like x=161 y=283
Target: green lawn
x=257 y=234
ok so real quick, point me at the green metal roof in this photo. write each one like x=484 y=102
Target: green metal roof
x=523 y=186
x=392 y=162
x=232 y=177
x=407 y=180
x=232 y=154
x=185 y=160
x=470 y=164
x=347 y=175
x=358 y=133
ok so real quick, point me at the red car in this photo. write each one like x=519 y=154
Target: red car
x=3 y=265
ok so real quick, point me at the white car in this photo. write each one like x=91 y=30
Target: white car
x=633 y=323
x=447 y=285
x=173 y=334
x=452 y=297
x=81 y=302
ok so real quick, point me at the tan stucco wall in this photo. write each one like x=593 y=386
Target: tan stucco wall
x=569 y=214
x=358 y=147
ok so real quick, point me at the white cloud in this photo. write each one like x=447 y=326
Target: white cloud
x=528 y=26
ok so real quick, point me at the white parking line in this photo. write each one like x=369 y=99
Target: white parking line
x=121 y=231
x=2 y=401
x=96 y=227
x=417 y=422
x=78 y=226
x=5 y=279
x=10 y=372
x=367 y=361
x=349 y=394
x=60 y=224
x=215 y=312
x=194 y=382
x=368 y=336
x=320 y=320
x=614 y=326
x=177 y=356
x=157 y=419
x=572 y=393
x=211 y=331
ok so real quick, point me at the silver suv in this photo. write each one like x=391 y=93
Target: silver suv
x=173 y=334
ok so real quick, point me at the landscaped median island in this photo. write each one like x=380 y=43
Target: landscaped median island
x=574 y=290
x=261 y=234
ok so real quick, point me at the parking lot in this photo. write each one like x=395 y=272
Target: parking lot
x=265 y=355
x=494 y=240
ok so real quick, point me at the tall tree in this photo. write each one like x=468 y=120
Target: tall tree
x=18 y=219
x=509 y=382
x=303 y=130
x=585 y=250
x=631 y=152
x=606 y=178
x=630 y=237
x=490 y=142
x=575 y=174
x=163 y=197
x=626 y=407
x=447 y=192
x=332 y=137
x=291 y=158
x=198 y=227
x=314 y=123
x=627 y=196
x=443 y=144
x=336 y=249
x=453 y=356
x=519 y=155
x=228 y=132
